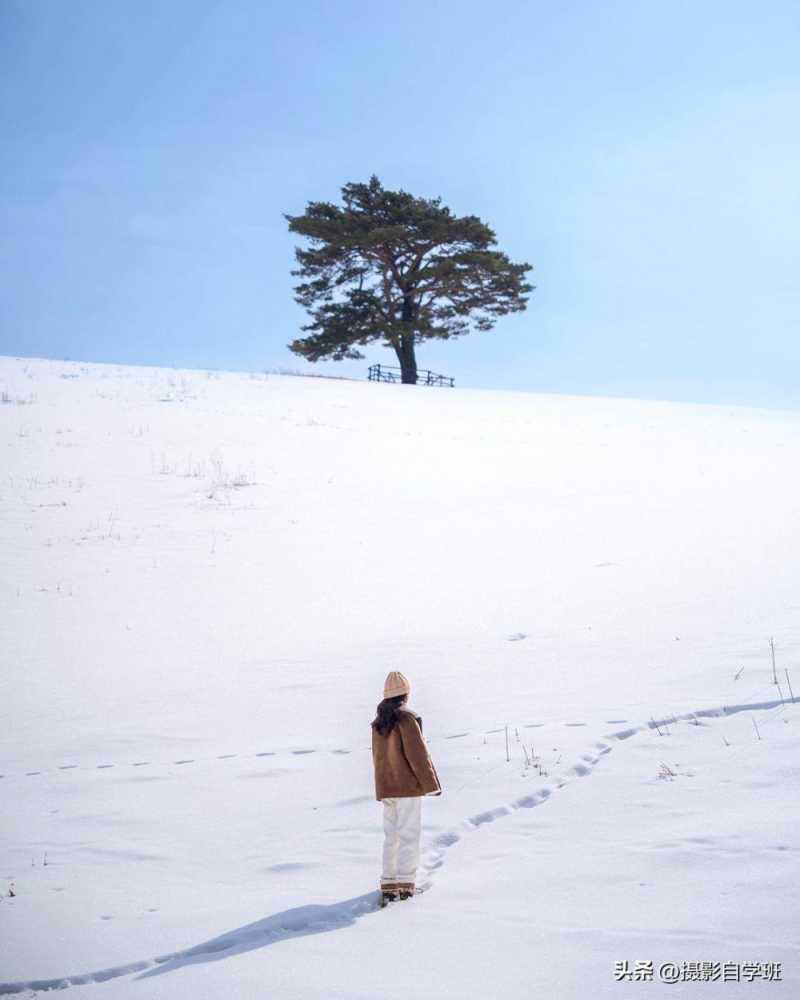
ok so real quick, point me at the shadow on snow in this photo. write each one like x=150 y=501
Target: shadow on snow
x=296 y=922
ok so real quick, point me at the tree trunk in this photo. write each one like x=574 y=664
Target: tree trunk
x=408 y=361
x=406 y=355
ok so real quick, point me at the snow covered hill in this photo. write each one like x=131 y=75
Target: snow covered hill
x=206 y=577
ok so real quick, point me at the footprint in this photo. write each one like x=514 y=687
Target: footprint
x=141 y=763
x=623 y=734
x=67 y=767
x=297 y=753
x=189 y=761
x=489 y=816
x=447 y=839
x=456 y=736
x=102 y=767
x=266 y=753
x=289 y=866
x=528 y=801
x=614 y=722
x=29 y=774
x=517 y=636
x=574 y=723
x=341 y=751
x=532 y=725
x=226 y=756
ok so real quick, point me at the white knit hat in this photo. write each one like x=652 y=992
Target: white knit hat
x=396 y=683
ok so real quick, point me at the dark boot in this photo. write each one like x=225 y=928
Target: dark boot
x=389 y=893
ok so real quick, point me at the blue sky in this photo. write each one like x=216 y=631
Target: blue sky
x=643 y=156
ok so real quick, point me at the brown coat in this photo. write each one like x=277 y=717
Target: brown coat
x=403 y=767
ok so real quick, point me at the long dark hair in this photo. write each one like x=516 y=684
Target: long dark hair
x=387 y=712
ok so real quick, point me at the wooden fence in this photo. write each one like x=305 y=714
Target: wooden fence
x=392 y=373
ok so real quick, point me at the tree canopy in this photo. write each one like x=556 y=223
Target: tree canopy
x=387 y=266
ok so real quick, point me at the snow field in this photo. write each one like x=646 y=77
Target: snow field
x=206 y=578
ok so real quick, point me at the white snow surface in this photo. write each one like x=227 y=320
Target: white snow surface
x=205 y=579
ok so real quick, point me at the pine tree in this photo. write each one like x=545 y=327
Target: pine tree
x=387 y=266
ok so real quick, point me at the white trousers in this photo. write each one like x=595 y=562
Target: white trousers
x=402 y=823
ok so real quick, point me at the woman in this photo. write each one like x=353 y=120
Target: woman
x=404 y=772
